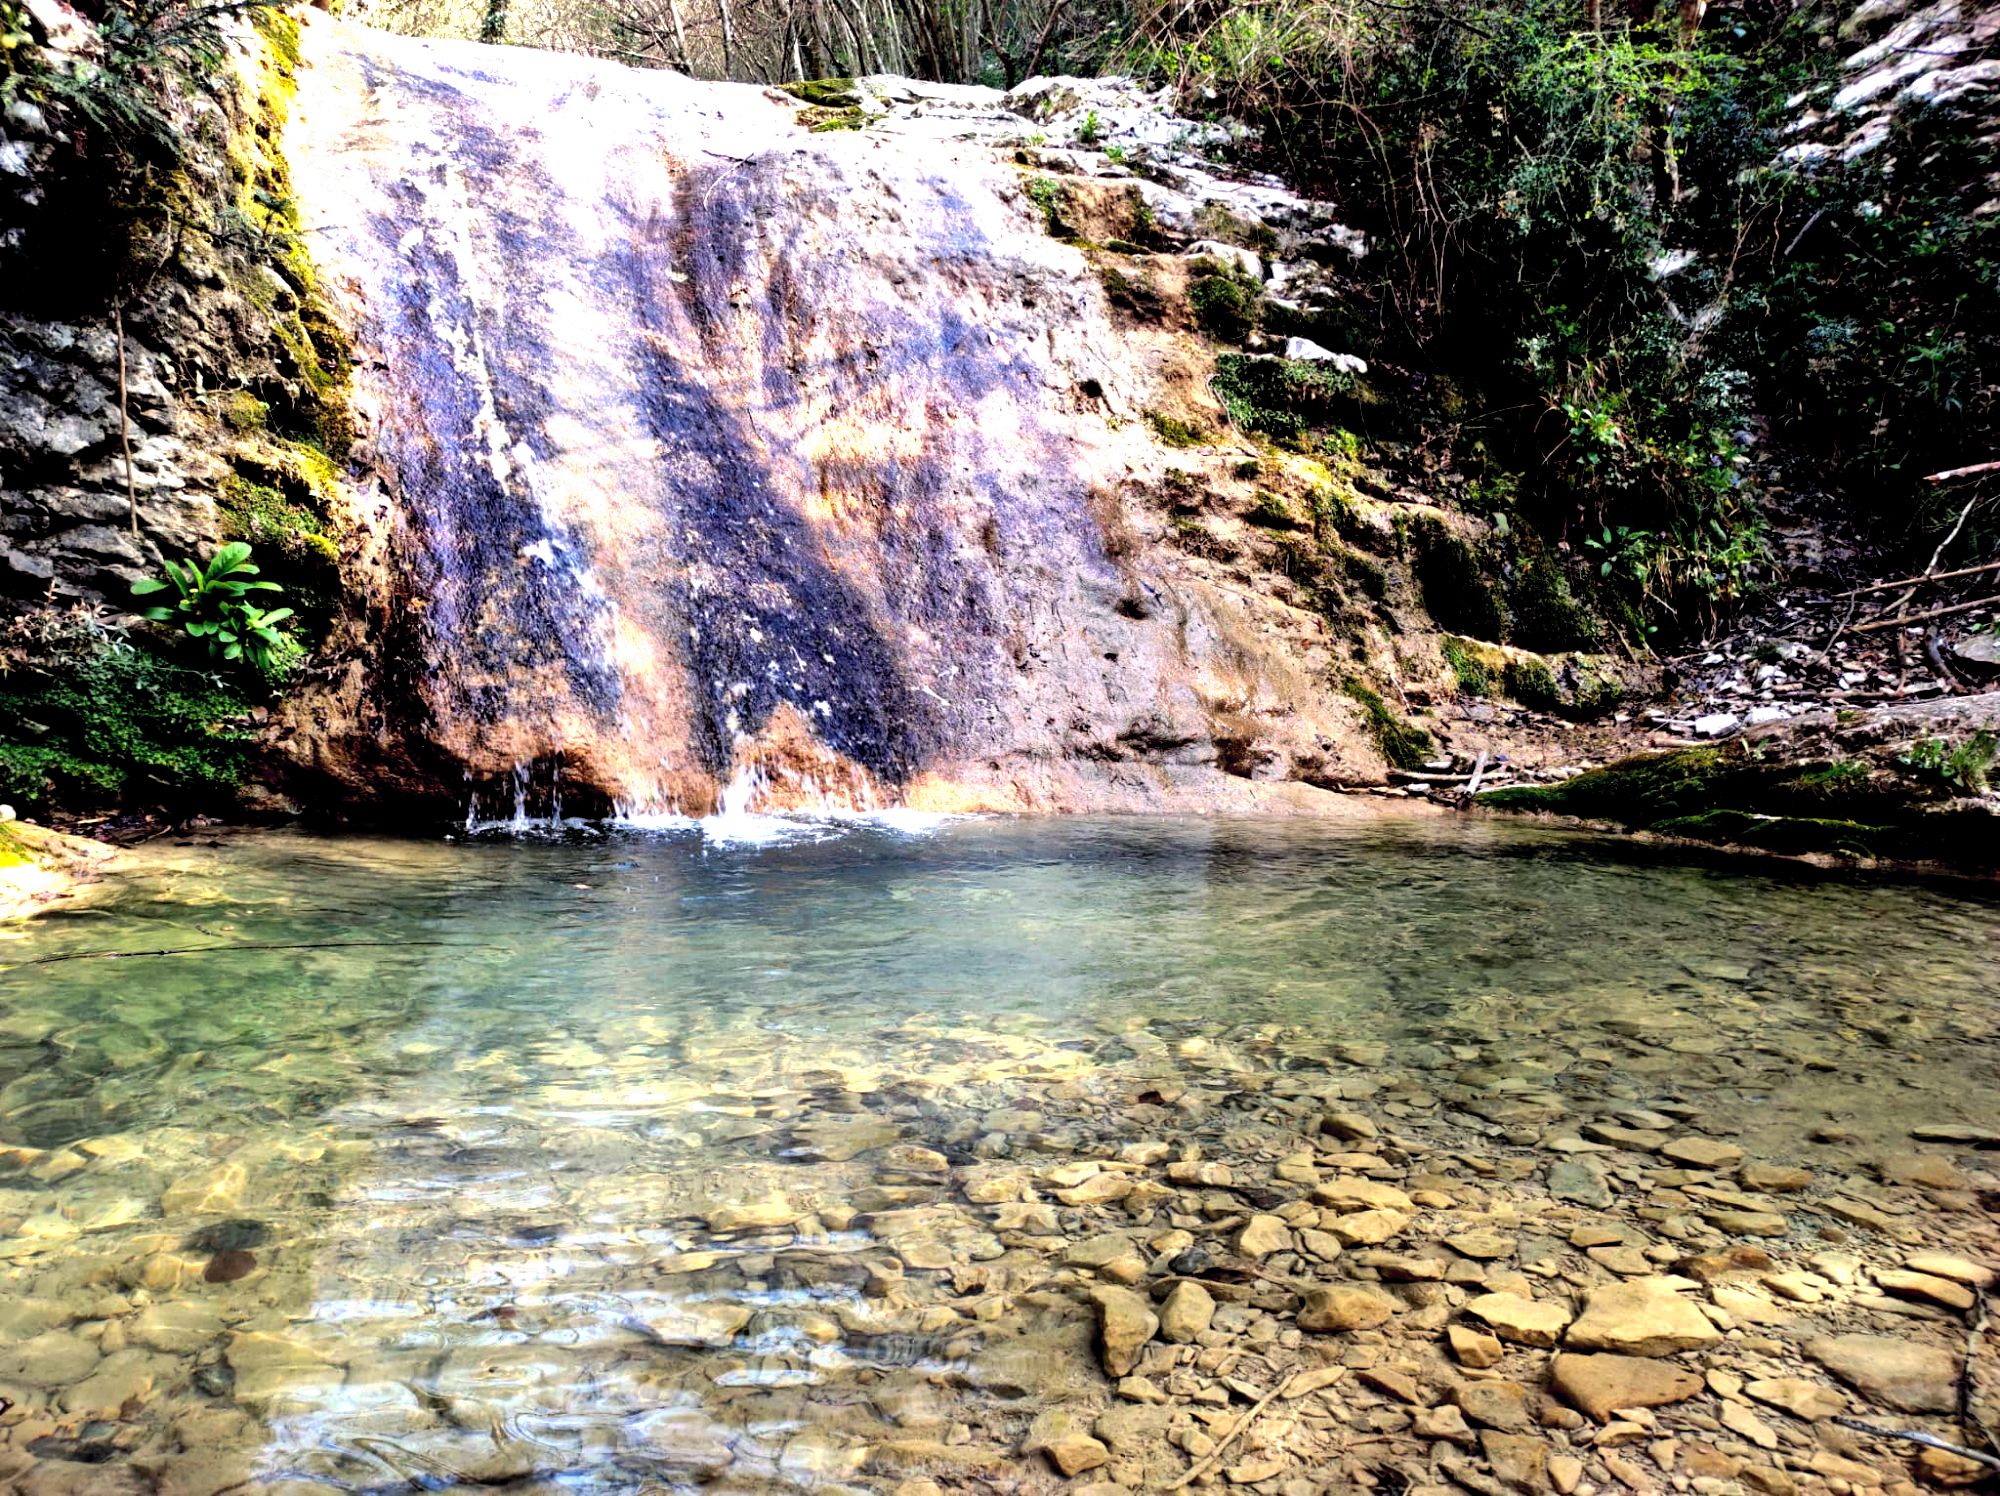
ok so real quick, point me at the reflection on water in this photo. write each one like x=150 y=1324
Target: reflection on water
x=629 y=1162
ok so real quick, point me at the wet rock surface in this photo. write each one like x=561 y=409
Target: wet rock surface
x=587 y=1223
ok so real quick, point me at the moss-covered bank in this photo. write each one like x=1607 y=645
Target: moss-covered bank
x=1747 y=794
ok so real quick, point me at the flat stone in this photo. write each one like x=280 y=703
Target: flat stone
x=1524 y=1321
x=1748 y=1222
x=53 y=1358
x=1925 y=1170
x=1957 y=1269
x=1738 y=1419
x=761 y=1215
x=1186 y=1312
x=1776 y=1179
x=1501 y=1405
x=1901 y=1374
x=1957 y=1132
x=1810 y=1401
x=1518 y=1460
x=1581 y=1181
x=177 y=1326
x=1125 y=1322
x=1350 y=1194
x=704 y=1323
x=1640 y=1318
x=1702 y=1153
x=1912 y=1285
x=1397 y=1385
x=1484 y=1246
x=1335 y=1307
x=1601 y=1385
x=215 y=1190
x=1632 y=1139
x=1367 y=1228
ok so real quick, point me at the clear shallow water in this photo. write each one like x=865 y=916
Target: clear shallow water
x=439 y=1203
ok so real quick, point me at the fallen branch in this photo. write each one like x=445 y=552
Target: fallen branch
x=1201 y=1466
x=1917 y=1436
x=1965 y=472
x=1901 y=619
x=203 y=950
x=1938 y=576
x=1478 y=774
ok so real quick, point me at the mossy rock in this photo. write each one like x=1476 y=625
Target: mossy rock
x=1284 y=399
x=1174 y=432
x=1226 y=304
x=827 y=93
x=1404 y=745
x=1455 y=578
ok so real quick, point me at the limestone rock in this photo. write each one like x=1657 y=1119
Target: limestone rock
x=1601 y=1384
x=1262 y=1235
x=1473 y=1348
x=217 y=1190
x=1348 y=1194
x=1069 y=1445
x=1340 y=1306
x=1640 y=1318
x=1518 y=1460
x=1913 y=1285
x=1524 y=1321
x=1367 y=1228
x=1125 y=1322
x=1702 y=1153
x=50 y=1359
x=1901 y=1374
x=1186 y=1312
x=1501 y=1405
x=1810 y=1401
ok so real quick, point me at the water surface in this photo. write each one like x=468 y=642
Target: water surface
x=412 y=1178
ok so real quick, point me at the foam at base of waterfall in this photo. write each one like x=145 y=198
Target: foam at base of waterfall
x=820 y=816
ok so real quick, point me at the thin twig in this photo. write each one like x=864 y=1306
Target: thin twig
x=1834 y=638
x=205 y=950
x=124 y=420
x=1974 y=471
x=1921 y=577
x=1222 y=1445
x=1901 y=619
x=1916 y=1436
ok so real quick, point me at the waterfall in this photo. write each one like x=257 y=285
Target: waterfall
x=721 y=451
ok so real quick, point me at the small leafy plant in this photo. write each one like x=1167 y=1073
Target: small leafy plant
x=1964 y=765
x=212 y=604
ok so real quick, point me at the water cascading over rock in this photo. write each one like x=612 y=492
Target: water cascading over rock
x=713 y=450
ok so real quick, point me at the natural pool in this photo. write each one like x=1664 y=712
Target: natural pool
x=630 y=1162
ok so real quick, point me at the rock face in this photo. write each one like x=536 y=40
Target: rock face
x=737 y=453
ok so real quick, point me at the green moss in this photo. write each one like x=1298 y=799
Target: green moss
x=13 y=850
x=827 y=93
x=1789 y=834
x=1366 y=573
x=1474 y=679
x=1047 y=194
x=93 y=723
x=1225 y=303
x=1546 y=614
x=1281 y=398
x=820 y=121
x=1640 y=791
x=1173 y=431
x=1531 y=682
x=1404 y=746
x=1455 y=581
x=1271 y=511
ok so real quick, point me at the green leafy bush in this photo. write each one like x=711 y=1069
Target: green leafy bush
x=212 y=604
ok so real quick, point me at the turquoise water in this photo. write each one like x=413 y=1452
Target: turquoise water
x=410 y=1175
